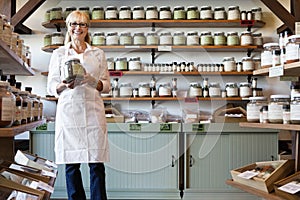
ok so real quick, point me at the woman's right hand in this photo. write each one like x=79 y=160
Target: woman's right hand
x=60 y=87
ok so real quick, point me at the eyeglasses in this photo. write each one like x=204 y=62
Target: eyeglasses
x=75 y=24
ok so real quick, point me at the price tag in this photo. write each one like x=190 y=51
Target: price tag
x=164 y=48
x=165 y=127
x=248 y=174
x=247 y=22
x=191 y=100
x=291 y=188
x=135 y=127
x=276 y=71
x=116 y=73
x=197 y=127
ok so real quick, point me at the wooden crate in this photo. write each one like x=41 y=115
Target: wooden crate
x=285 y=168
x=284 y=181
x=113 y=116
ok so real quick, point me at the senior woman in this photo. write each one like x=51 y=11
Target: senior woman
x=81 y=131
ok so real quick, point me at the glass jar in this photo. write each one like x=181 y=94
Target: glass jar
x=219 y=38
x=139 y=39
x=125 y=38
x=46 y=16
x=125 y=12
x=257 y=13
x=292 y=49
x=257 y=62
x=35 y=107
x=57 y=39
x=165 y=38
x=98 y=39
x=231 y=90
x=275 y=107
x=144 y=90
x=257 y=39
x=257 y=92
x=18 y=106
x=192 y=38
x=165 y=12
x=25 y=104
x=248 y=64
x=214 y=89
x=110 y=64
x=7 y=102
x=246 y=38
x=253 y=108
x=112 y=38
x=195 y=90
x=266 y=55
x=41 y=107
x=219 y=13
x=125 y=90
x=121 y=64
x=295 y=90
x=98 y=12
x=164 y=90
x=229 y=64
x=206 y=12
x=243 y=15
x=151 y=12
x=26 y=98
x=233 y=13
x=111 y=12
x=245 y=89
x=192 y=12
x=86 y=10
x=206 y=38
x=47 y=40
x=138 y=12
x=56 y=13
x=152 y=39
x=295 y=110
x=68 y=11
x=233 y=39
x=179 y=38
x=134 y=64
x=179 y=12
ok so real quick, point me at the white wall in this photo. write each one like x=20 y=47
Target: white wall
x=41 y=59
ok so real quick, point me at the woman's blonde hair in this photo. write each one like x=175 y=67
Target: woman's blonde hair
x=77 y=15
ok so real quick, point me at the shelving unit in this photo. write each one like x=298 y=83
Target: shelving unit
x=291 y=69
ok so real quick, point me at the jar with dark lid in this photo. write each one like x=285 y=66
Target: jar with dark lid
x=125 y=12
x=134 y=64
x=68 y=11
x=164 y=90
x=110 y=64
x=86 y=10
x=165 y=12
x=206 y=12
x=18 y=105
x=152 y=39
x=233 y=39
x=246 y=38
x=98 y=12
x=151 y=12
x=165 y=38
x=243 y=15
x=275 y=107
x=195 y=90
x=220 y=38
x=57 y=39
x=192 y=38
x=266 y=54
x=111 y=12
x=56 y=13
x=46 y=18
x=257 y=13
x=112 y=38
x=192 y=12
x=144 y=90
x=229 y=64
x=206 y=38
x=179 y=38
x=257 y=39
x=41 y=107
x=233 y=13
x=35 y=107
x=179 y=13
x=121 y=64
x=248 y=64
x=139 y=38
x=125 y=38
x=98 y=39
x=138 y=12
x=27 y=101
x=125 y=90
x=232 y=90
x=47 y=40
x=7 y=102
x=295 y=109
x=219 y=13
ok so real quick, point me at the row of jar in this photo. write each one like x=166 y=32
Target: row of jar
x=279 y=109
x=18 y=107
x=229 y=64
x=213 y=89
x=206 y=38
x=154 y=13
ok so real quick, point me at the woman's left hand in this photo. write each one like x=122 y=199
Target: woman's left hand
x=87 y=78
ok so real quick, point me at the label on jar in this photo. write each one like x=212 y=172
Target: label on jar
x=266 y=58
x=246 y=40
x=165 y=14
x=125 y=14
x=245 y=91
x=214 y=91
x=295 y=112
x=138 y=14
x=205 y=14
x=195 y=92
x=275 y=113
x=134 y=65
x=151 y=14
x=57 y=40
x=253 y=113
x=232 y=92
x=110 y=14
x=6 y=109
x=144 y=91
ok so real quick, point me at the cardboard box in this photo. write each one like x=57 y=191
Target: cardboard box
x=284 y=181
x=285 y=168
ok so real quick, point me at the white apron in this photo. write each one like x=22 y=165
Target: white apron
x=81 y=132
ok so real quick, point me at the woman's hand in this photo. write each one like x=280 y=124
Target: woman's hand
x=60 y=87
x=87 y=78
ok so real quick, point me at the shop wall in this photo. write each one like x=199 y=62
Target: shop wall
x=40 y=59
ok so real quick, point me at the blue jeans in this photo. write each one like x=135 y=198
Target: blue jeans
x=97 y=182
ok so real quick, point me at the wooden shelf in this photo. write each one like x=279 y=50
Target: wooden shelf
x=161 y=23
x=11 y=63
x=15 y=130
x=145 y=48
x=290 y=127
x=292 y=69
x=269 y=196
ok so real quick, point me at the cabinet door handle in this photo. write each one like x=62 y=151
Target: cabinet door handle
x=173 y=161
x=191 y=161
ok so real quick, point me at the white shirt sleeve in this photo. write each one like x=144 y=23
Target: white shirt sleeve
x=54 y=73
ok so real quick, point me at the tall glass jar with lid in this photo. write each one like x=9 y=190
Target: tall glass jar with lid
x=111 y=12
x=253 y=108
x=232 y=90
x=195 y=90
x=152 y=38
x=7 y=103
x=295 y=109
x=179 y=38
x=112 y=38
x=98 y=39
x=233 y=38
x=206 y=38
x=219 y=13
x=125 y=38
x=192 y=38
x=229 y=64
x=275 y=107
x=220 y=38
x=214 y=89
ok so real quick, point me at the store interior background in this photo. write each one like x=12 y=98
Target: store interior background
x=40 y=59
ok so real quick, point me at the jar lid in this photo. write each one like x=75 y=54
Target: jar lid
x=294 y=39
x=139 y=33
x=231 y=83
x=70 y=8
x=206 y=33
x=135 y=59
x=214 y=84
x=192 y=33
x=84 y=8
x=232 y=33
x=151 y=8
x=125 y=85
x=233 y=7
x=279 y=96
x=256 y=34
x=125 y=34
x=165 y=33
x=98 y=33
x=179 y=8
x=143 y=84
x=219 y=8
x=228 y=58
x=195 y=84
x=258 y=98
x=192 y=8
x=98 y=8
x=73 y=59
x=179 y=33
x=255 y=9
x=245 y=84
x=56 y=9
x=111 y=8
x=165 y=8
x=112 y=33
x=246 y=32
x=125 y=8
x=205 y=8
x=297 y=96
x=219 y=33
x=121 y=58
x=138 y=8
x=247 y=58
